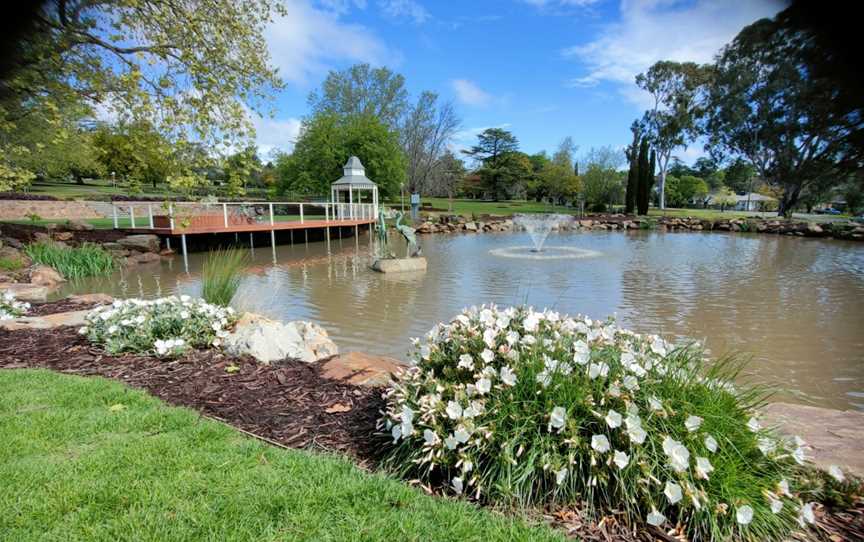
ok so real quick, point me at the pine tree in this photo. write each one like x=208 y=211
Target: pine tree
x=642 y=177
x=632 y=177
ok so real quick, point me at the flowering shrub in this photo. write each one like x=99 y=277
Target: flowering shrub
x=11 y=308
x=518 y=406
x=166 y=327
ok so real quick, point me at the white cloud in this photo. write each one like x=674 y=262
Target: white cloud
x=652 y=30
x=465 y=139
x=468 y=93
x=398 y=9
x=306 y=40
x=275 y=134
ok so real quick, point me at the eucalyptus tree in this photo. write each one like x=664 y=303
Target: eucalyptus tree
x=770 y=105
x=361 y=90
x=676 y=89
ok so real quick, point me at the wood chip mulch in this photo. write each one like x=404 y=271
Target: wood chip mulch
x=292 y=405
x=54 y=307
x=289 y=404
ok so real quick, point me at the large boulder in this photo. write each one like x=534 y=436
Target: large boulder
x=25 y=292
x=361 y=369
x=49 y=321
x=269 y=341
x=143 y=258
x=399 y=265
x=143 y=242
x=42 y=275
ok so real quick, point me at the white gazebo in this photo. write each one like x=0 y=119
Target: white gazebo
x=353 y=180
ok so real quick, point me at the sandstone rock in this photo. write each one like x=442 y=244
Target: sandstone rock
x=12 y=242
x=143 y=258
x=42 y=275
x=86 y=299
x=471 y=226
x=361 y=369
x=399 y=265
x=144 y=242
x=833 y=437
x=26 y=292
x=268 y=340
x=813 y=229
x=41 y=237
x=63 y=236
x=50 y=321
x=78 y=225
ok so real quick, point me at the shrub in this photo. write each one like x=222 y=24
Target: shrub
x=521 y=407
x=166 y=327
x=11 y=308
x=222 y=274
x=88 y=260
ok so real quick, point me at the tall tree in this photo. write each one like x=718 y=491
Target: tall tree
x=601 y=182
x=361 y=90
x=632 y=153
x=676 y=88
x=642 y=185
x=771 y=105
x=492 y=150
x=447 y=176
x=425 y=132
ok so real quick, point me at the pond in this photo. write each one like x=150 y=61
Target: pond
x=793 y=305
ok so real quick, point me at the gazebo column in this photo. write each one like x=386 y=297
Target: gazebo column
x=350 y=203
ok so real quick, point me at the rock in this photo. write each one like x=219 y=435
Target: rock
x=143 y=258
x=78 y=225
x=834 y=437
x=813 y=229
x=50 y=321
x=399 y=265
x=42 y=275
x=361 y=369
x=11 y=253
x=12 y=242
x=144 y=242
x=26 y=292
x=41 y=237
x=268 y=340
x=471 y=226
x=63 y=236
x=86 y=299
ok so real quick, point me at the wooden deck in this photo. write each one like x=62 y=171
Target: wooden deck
x=252 y=228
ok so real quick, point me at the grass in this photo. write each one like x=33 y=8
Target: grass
x=11 y=264
x=222 y=274
x=88 y=260
x=477 y=207
x=89 y=459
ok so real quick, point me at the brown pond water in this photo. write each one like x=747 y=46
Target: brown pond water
x=796 y=306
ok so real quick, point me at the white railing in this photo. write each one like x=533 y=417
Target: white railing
x=147 y=215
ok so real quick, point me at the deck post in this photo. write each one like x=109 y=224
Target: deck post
x=150 y=212
x=273 y=243
x=185 y=254
x=326 y=213
x=306 y=231
x=171 y=215
x=252 y=242
x=350 y=203
x=301 y=213
x=114 y=208
x=225 y=214
x=292 y=236
x=132 y=215
x=168 y=243
x=271 y=217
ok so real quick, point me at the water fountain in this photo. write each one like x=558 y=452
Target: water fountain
x=539 y=226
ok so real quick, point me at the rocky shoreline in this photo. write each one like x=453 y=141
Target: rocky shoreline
x=489 y=223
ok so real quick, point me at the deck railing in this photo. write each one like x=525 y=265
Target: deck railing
x=185 y=214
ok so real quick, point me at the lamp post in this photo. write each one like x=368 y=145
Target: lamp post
x=113 y=181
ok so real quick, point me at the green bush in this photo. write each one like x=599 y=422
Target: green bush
x=88 y=260
x=519 y=407
x=11 y=308
x=222 y=274
x=166 y=327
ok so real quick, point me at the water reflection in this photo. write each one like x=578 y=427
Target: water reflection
x=794 y=305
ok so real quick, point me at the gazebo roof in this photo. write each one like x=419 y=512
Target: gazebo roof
x=354 y=176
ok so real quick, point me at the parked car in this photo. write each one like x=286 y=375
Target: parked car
x=827 y=211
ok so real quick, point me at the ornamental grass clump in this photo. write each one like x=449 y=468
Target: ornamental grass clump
x=11 y=308
x=519 y=407
x=165 y=327
x=88 y=260
x=222 y=274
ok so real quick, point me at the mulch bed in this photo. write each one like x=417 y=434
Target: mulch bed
x=289 y=404
x=54 y=307
x=292 y=405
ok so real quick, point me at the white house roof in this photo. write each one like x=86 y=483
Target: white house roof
x=354 y=176
x=753 y=196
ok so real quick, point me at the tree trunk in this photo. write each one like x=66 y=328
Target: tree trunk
x=662 y=188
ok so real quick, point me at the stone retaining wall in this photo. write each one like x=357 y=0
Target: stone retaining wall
x=54 y=210
x=838 y=230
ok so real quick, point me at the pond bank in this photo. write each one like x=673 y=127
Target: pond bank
x=488 y=223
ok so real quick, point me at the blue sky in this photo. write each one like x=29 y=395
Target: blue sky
x=543 y=69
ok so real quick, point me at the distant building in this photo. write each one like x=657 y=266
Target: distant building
x=748 y=202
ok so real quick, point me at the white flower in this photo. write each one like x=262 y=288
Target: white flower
x=454 y=410
x=461 y=435
x=560 y=476
x=655 y=518
x=597 y=369
x=451 y=442
x=711 y=444
x=655 y=403
x=82 y=330
x=512 y=337
x=783 y=488
x=396 y=433
x=487 y=355
x=679 y=456
x=836 y=473
x=703 y=467
x=621 y=459
x=631 y=382
x=766 y=445
x=483 y=386
x=544 y=378
x=581 y=352
x=744 y=514
x=531 y=322
x=489 y=337
x=776 y=505
x=613 y=419
x=508 y=377
x=184 y=315
x=457 y=484
x=466 y=362
x=672 y=492
x=600 y=443
x=753 y=424
x=112 y=330
x=557 y=418
x=798 y=456
x=807 y=514
x=692 y=423
x=658 y=345
x=637 y=434
x=425 y=351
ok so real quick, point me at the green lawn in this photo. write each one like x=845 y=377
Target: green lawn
x=90 y=459
x=470 y=206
